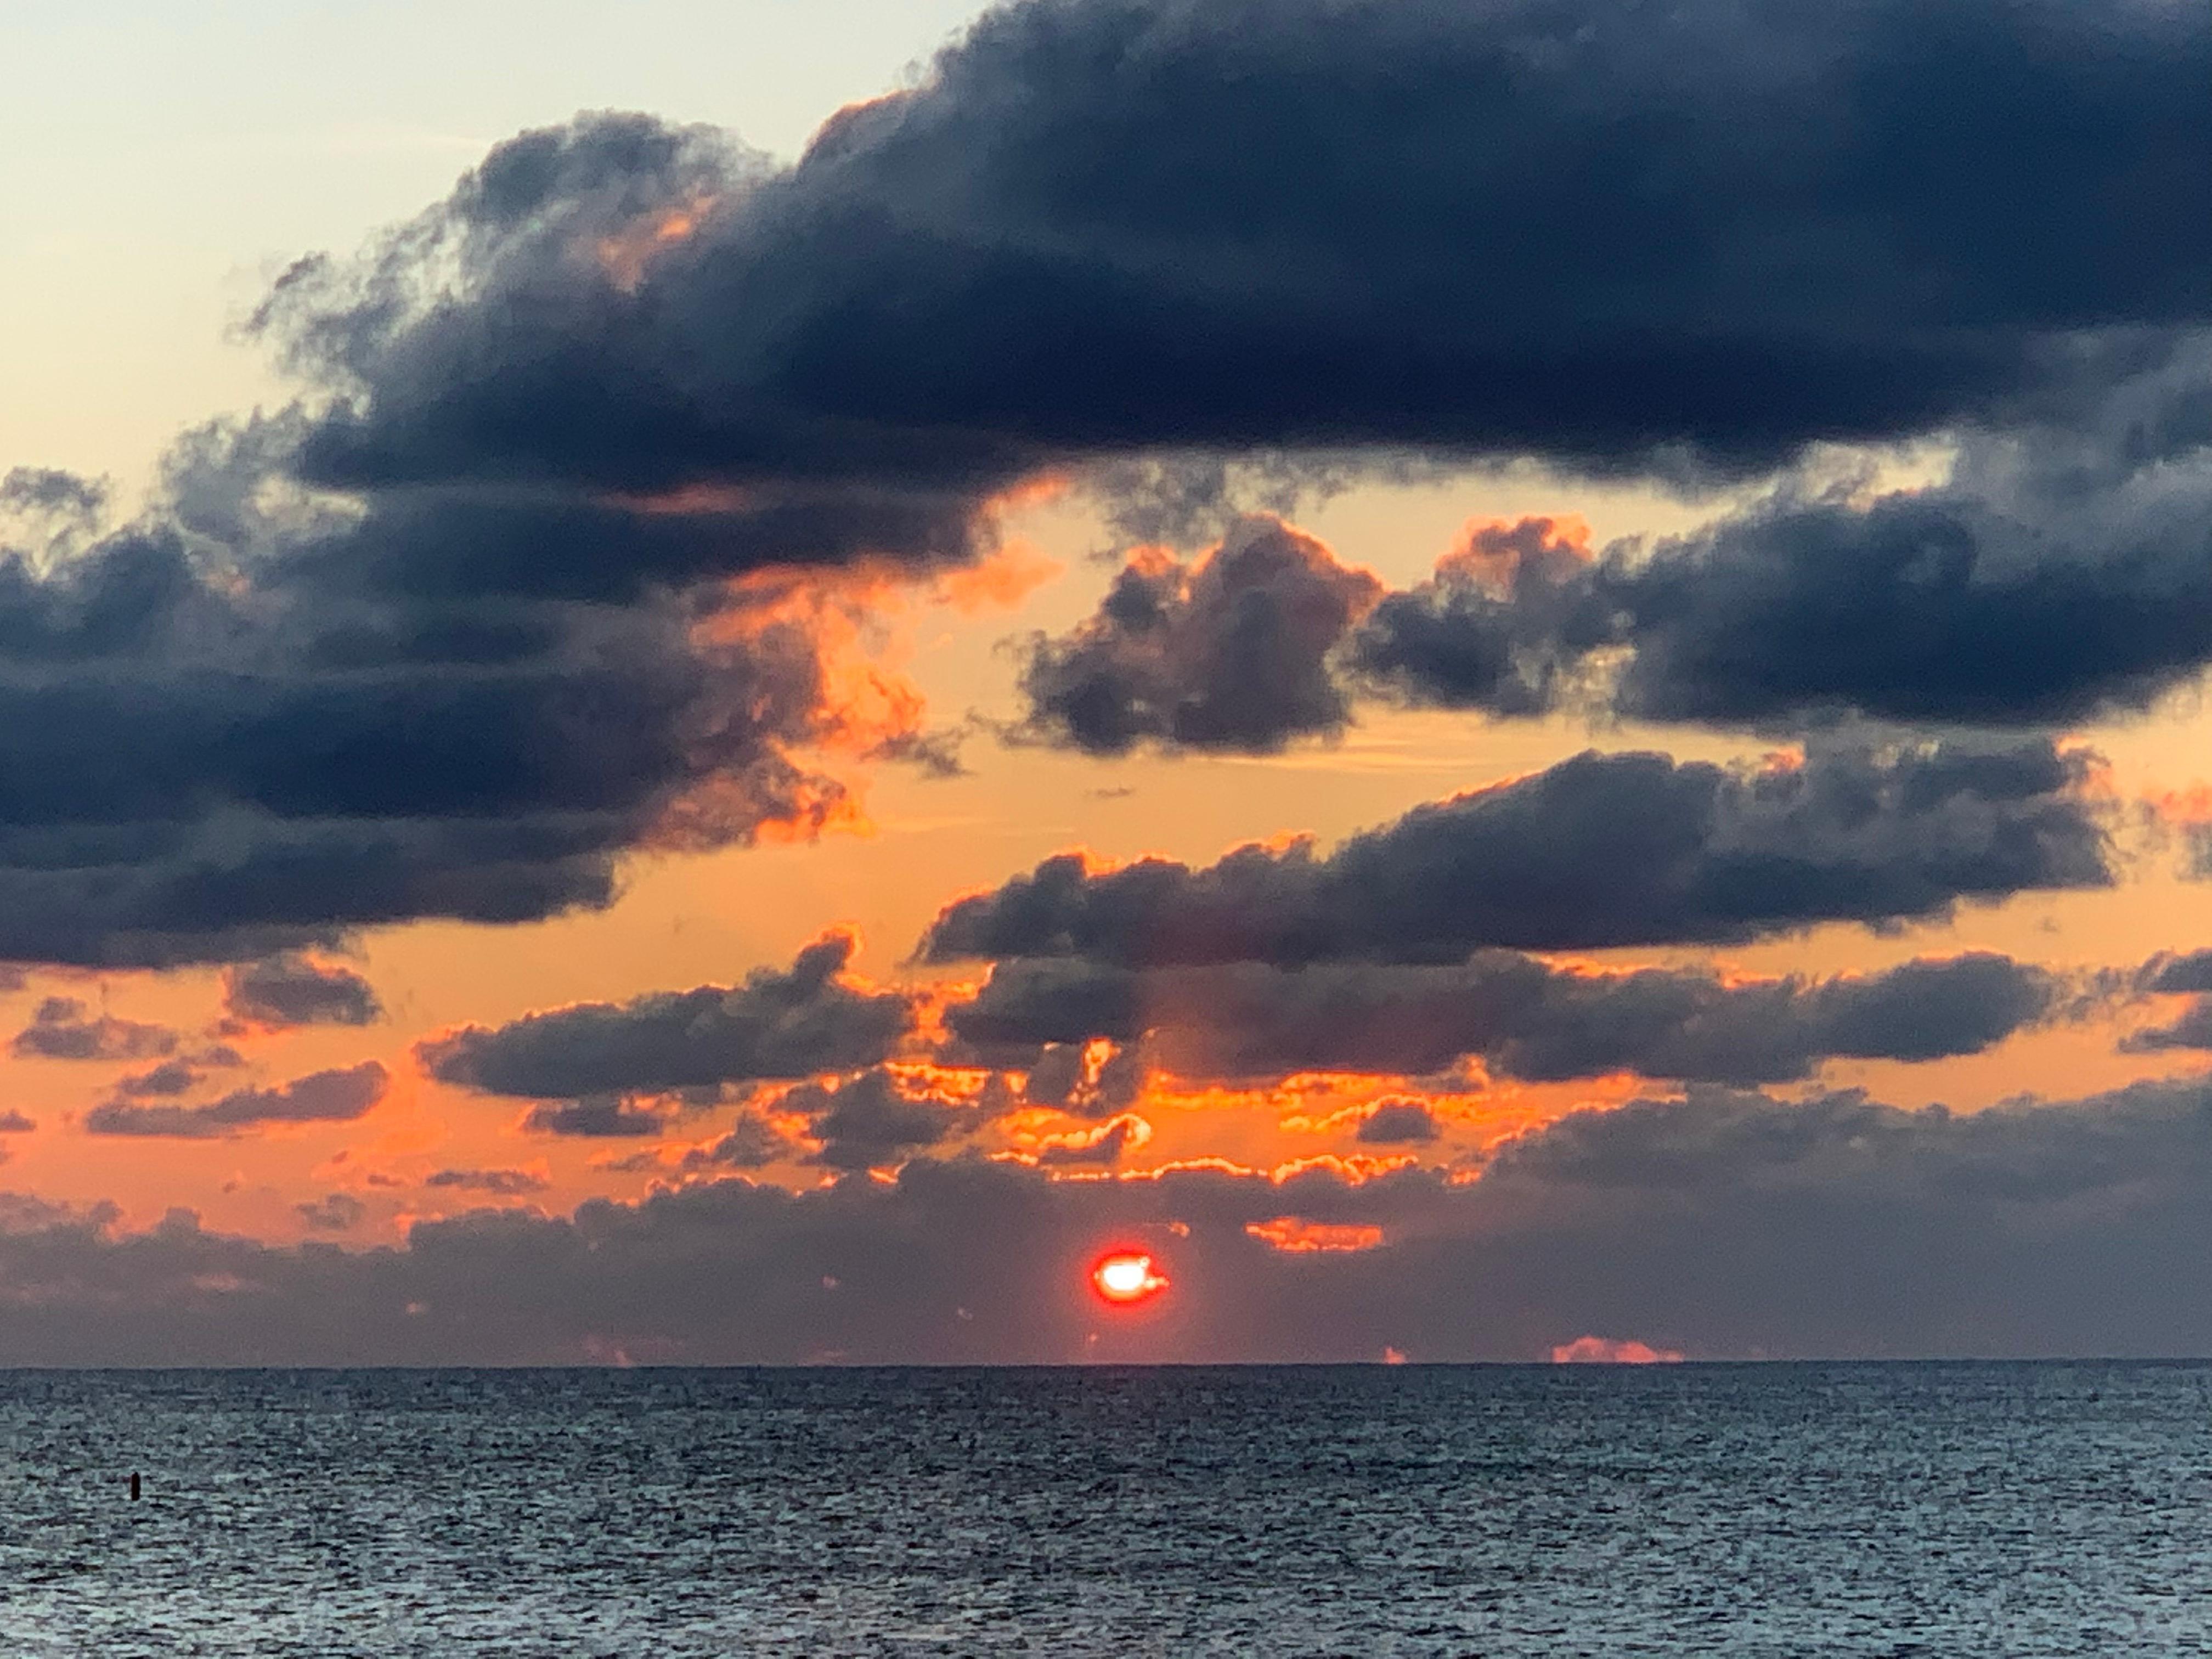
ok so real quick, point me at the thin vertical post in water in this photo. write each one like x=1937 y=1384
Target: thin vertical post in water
x=134 y=1485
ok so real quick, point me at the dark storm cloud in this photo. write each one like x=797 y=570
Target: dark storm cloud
x=65 y=1028
x=332 y=1096
x=1598 y=850
x=1228 y=653
x=1101 y=225
x=625 y=361
x=215 y=743
x=297 y=990
x=1521 y=1017
x=775 y=1025
x=1724 y=1224
x=2058 y=572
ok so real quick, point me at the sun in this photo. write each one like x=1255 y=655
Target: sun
x=1127 y=1276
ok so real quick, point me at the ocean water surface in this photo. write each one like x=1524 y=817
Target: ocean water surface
x=1945 y=1510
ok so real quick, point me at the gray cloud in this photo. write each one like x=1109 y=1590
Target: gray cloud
x=1521 y=1017
x=751 y=1143
x=331 y=1097
x=333 y=1212
x=223 y=744
x=170 y=1078
x=13 y=1122
x=500 y=1184
x=774 y=1025
x=1100 y=225
x=1398 y=1120
x=880 y=1119
x=1070 y=1075
x=293 y=989
x=45 y=493
x=1598 y=850
x=65 y=1028
x=625 y=361
x=2167 y=974
x=2188 y=974
x=1723 y=1225
x=602 y=1117
x=1227 y=653
x=2055 y=573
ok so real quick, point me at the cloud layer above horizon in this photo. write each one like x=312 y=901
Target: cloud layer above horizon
x=589 y=553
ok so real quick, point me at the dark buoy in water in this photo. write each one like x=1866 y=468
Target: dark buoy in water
x=134 y=1486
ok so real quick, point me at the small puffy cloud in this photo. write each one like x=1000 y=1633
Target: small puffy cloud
x=1397 y=1120
x=880 y=1118
x=791 y=1024
x=499 y=1183
x=333 y=1212
x=292 y=988
x=170 y=1078
x=65 y=1028
x=13 y=1122
x=46 y=492
x=753 y=1142
x=613 y=1117
x=1228 y=653
x=331 y=1097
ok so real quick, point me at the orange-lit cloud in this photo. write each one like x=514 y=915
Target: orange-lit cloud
x=1296 y=1236
x=999 y=582
x=1606 y=1351
x=1497 y=552
x=626 y=256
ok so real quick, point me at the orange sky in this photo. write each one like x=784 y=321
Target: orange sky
x=685 y=920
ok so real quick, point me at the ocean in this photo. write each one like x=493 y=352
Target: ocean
x=1783 y=1509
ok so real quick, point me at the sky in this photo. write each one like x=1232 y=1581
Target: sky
x=739 y=683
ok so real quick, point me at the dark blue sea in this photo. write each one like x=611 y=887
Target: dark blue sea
x=1754 y=1510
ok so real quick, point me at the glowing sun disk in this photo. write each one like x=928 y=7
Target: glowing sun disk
x=1127 y=1276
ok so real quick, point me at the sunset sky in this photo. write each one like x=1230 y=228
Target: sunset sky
x=722 y=682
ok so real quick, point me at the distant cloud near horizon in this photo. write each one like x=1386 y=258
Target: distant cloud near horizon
x=1722 y=1225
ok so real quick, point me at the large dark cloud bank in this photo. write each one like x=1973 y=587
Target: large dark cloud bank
x=625 y=361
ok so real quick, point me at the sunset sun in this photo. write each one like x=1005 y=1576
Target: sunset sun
x=1127 y=1276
